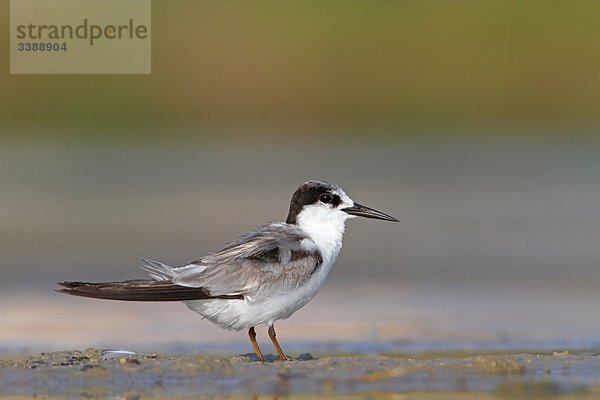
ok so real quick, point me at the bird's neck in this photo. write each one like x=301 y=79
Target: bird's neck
x=327 y=235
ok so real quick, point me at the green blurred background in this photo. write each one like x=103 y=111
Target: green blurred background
x=332 y=66
x=474 y=123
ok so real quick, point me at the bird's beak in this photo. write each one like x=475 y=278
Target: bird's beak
x=363 y=211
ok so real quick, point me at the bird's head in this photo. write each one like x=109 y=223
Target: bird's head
x=317 y=202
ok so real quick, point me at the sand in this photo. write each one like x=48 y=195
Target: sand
x=93 y=374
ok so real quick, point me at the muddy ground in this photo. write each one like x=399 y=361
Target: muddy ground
x=93 y=373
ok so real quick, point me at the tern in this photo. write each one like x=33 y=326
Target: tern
x=264 y=276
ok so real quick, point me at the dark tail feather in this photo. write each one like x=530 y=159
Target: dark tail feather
x=139 y=290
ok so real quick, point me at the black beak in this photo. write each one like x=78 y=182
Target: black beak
x=363 y=211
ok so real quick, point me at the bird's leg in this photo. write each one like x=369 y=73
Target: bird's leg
x=252 y=334
x=273 y=337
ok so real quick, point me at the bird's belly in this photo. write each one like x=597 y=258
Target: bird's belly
x=244 y=314
x=254 y=311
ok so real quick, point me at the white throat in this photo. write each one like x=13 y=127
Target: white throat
x=325 y=227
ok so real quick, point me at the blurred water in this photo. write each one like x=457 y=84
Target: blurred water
x=498 y=238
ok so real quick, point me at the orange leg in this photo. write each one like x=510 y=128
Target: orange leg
x=252 y=334
x=273 y=337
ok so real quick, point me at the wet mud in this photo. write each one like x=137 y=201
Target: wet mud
x=94 y=373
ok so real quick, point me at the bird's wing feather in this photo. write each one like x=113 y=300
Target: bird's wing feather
x=274 y=258
x=138 y=290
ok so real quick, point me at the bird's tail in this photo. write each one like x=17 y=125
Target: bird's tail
x=139 y=290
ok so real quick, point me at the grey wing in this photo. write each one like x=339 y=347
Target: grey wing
x=273 y=259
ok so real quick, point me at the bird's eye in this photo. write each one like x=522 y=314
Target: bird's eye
x=326 y=198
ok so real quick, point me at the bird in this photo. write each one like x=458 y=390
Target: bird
x=262 y=277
